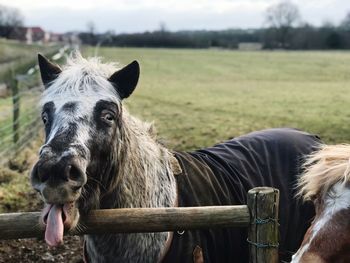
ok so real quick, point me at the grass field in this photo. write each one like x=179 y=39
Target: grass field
x=16 y=58
x=15 y=191
x=200 y=97
x=11 y=52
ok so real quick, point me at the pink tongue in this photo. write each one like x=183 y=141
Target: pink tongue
x=54 y=226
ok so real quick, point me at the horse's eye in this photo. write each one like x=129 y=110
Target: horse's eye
x=107 y=116
x=45 y=118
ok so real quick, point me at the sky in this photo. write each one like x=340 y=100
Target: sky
x=126 y=16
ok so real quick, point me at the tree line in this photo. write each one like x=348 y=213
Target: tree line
x=181 y=39
x=306 y=37
x=283 y=29
x=10 y=20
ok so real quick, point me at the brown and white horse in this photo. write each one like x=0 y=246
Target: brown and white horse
x=327 y=183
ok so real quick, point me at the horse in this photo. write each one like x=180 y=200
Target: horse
x=98 y=156
x=326 y=183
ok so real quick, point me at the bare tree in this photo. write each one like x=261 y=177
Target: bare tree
x=281 y=18
x=345 y=24
x=91 y=33
x=10 y=20
x=162 y=27
x=91 y=28
x=10 y=17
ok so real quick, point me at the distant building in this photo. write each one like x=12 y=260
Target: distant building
x=35 y=34
x=250 y=46
x=30 y=34
x=26 y=34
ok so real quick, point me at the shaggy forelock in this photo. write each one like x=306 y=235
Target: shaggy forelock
x=82 y=77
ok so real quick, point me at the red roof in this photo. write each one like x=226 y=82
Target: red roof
x=36 y=29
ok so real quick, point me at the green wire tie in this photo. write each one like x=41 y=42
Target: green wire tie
x=260 y=245
x=260 y=221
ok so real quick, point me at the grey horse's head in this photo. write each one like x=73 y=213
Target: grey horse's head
x=82 y=116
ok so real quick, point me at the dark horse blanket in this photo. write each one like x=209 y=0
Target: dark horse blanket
x=223 y=174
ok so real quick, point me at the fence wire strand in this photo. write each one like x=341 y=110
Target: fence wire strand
x=19 y=120
x=17 y=130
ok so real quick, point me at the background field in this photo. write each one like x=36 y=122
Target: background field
x=12 y=52
x=200 y=97
x=16 y=59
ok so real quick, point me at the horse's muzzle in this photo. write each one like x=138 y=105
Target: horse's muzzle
x=59 y=179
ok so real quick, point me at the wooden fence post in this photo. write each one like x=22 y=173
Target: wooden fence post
x=15 y=101
x=263 y=229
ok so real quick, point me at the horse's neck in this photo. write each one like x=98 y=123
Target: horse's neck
x=145 y=179
x=145 y=176
x=138 y=248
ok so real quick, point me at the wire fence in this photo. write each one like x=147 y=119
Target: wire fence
x=20 y=121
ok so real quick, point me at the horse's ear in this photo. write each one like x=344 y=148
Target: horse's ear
x=125 y=79
x=49 y=71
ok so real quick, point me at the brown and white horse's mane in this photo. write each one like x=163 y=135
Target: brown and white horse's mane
x=323 y=169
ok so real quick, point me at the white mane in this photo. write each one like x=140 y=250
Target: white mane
x=80 y=76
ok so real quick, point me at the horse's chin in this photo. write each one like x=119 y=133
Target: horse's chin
x=57 y=219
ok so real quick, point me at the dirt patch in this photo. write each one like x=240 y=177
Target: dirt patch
x=33 y=250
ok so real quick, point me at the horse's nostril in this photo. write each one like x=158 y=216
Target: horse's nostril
x=74 y=173
x=38 y=175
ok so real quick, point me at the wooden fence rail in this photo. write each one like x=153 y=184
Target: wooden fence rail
x=132 y=220
x=260 y=216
